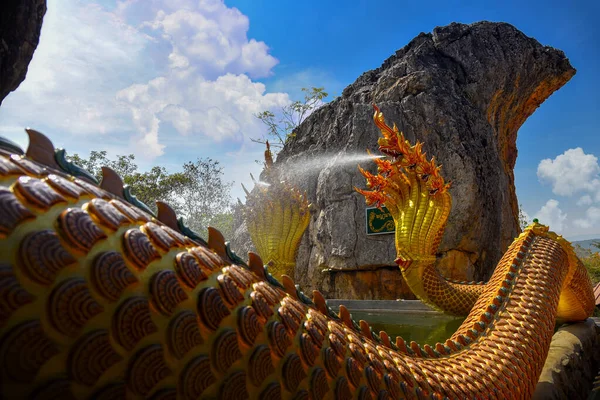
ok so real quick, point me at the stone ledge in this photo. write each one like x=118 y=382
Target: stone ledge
x=571 y=364
x=381 y=305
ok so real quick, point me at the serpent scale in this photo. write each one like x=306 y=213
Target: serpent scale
x=101 y=300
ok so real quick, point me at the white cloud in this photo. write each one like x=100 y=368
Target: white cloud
x=179 y=117
x=206 y=88
x=592 y=218
x=213 y=37
x=585 y=200
x=84 y=56
x=144 y=72
x=178 y=60
x=571 y=172
x=222 y=109
x=550 y=214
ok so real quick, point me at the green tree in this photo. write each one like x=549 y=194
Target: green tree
x=206 y=198
x=225 y=223
x=158 y=184
x=199 y=193
x=592 y=264
x=93 y=163
x=123 y=165
x=282 y=127
x=591 y=261
x=148 y=187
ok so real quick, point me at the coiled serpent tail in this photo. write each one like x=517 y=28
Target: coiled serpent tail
x=416 y=195
x=101 y=300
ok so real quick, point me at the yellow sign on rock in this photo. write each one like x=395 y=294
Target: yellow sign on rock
x=379 y=221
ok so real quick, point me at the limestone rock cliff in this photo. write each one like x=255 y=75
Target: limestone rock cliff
x=464 y=90
x=20 y=26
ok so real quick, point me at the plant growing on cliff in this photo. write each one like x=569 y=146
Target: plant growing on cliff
x=281 y=125
x=523 y=218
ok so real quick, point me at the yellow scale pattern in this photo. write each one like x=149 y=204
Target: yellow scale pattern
x=415 y=192
x=102 y=301
x=276 y=214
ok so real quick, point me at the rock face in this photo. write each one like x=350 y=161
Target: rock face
x=464 y=90
x=572 y=363
x=20 y=26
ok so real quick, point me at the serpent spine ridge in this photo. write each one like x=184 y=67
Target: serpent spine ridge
x=101 y=300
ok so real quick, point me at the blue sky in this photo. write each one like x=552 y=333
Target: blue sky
x=174 y=80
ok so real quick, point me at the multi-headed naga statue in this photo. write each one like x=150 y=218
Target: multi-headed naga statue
x=276 y=214
x=102 y=300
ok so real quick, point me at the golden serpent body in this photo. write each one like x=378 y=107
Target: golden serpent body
x=101 y=300
x=414 y=191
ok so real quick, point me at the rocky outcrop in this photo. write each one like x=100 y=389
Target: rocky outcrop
x=572 y=363
x=20 y=26
x=464 y=90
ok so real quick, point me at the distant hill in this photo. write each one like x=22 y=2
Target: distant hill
x=585 y=247
x=587 y=244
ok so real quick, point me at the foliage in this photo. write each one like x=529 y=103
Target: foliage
x=94 y=162
x=291 y=116
x=592 y=264
x=591 y=261
x=522 y=218
x=156 y=184
x=225 y=223
x=198 y=193
x=206 y=199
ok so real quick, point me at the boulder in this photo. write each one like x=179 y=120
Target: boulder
x=572 y=363
x=20 y=26
x=463 y=90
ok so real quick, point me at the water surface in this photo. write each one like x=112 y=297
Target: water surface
x=423 y=328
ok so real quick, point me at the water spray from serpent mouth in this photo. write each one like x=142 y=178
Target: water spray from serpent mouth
x=296 y=168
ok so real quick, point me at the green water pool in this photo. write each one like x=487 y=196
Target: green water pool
x=423 y=328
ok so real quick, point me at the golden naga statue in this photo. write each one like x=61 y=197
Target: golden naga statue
x=277 y=216
x=100 y=299
x=416 y=195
